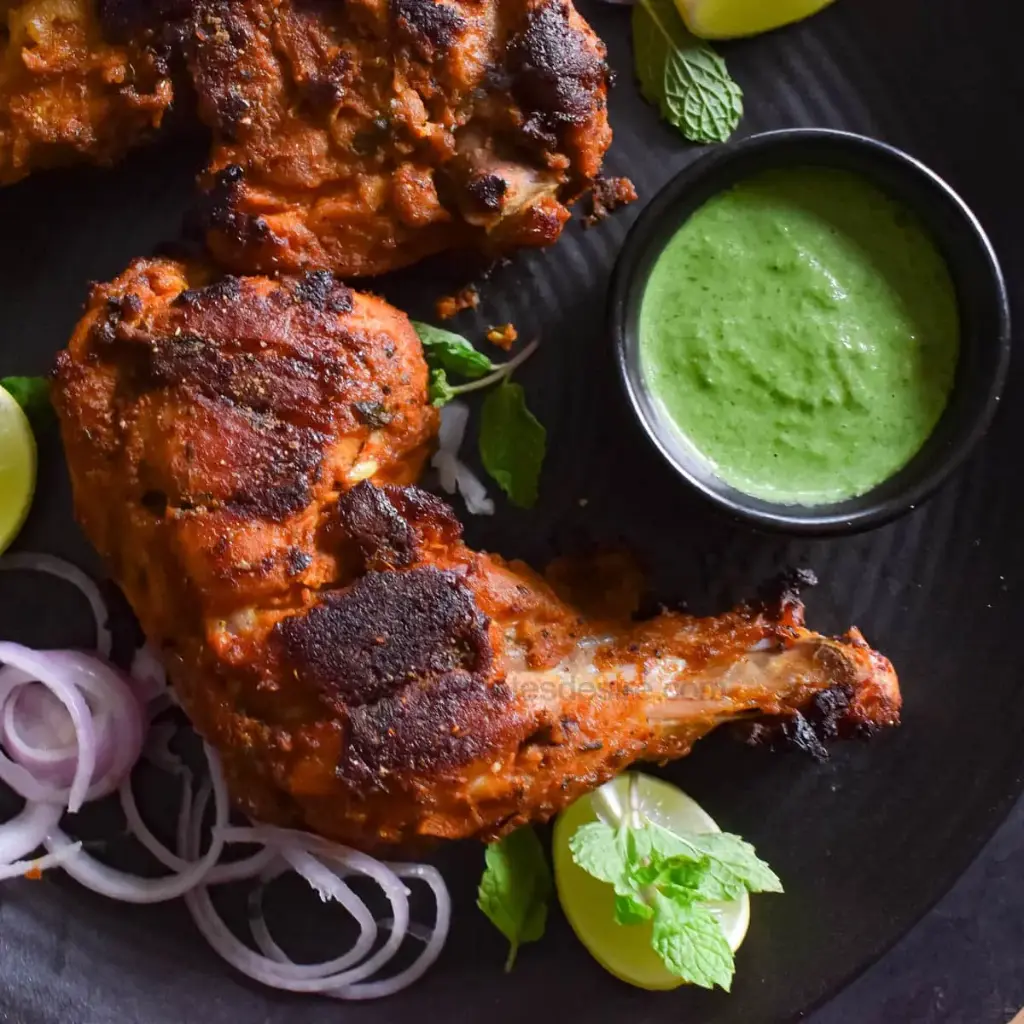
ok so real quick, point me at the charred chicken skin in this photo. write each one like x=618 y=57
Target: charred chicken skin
x=214 y=419
x=238 y=452
x=79 y=80
x=365 y=135
x=356 y=137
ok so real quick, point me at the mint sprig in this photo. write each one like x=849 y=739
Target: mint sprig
x=515 y=889
x=512 y=440
x=682 y=76
x=668 y=878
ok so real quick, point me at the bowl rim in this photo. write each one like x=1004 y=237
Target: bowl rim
x=626 y=289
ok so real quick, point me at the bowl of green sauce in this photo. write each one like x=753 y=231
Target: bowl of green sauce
x=813 y=329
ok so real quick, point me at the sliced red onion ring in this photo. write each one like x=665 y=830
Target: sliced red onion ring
x=232 y=871
x=25 y=561
x=45 y=668
x=70 y=717
x=274 y=968
x=434 y=944
x=108 y=734
x=287 y=975
x=119 y=885
x=26 y=831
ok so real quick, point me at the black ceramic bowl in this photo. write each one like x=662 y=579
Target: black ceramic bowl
x=981 y=293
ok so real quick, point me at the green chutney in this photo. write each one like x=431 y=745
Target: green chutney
x=801 y=330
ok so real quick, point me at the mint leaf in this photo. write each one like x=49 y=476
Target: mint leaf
x=515 y=888
x=692 y=881
x=690 y=943
x=439 y=391
x=602 y=852
x=512 y=443
x=631 y=910
x=653 y=843
x=33 y=395
x=449 y=351
x=733 y=857
x=683 y=76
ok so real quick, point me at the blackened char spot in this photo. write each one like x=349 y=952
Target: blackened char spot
x=426 y=512
x=828 y=710
x=384 y=538
x=372 y=414
x=786 y=587
x=321 y=290
x=432 y=25
x=450 y=722
x=825 y=718
x=488 y=191
x=227 y=289
x=606 y=196
x=322 y=94
x=298 y=561
x=387 y=631
x=217 y=210
x=281 y=492
x=231 y=112
x=556 y=73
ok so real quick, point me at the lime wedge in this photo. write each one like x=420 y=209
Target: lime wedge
x=727 y=19
x=17 y=468
x=589 y=904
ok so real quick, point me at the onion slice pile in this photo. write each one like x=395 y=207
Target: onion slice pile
x=73 y=726
x=452 y=473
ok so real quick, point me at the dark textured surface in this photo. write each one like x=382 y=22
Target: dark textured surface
x=866 y=842
x=961 y=964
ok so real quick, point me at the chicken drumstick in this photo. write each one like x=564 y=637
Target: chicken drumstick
x=238 y=452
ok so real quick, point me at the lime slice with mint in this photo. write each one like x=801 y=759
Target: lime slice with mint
x=727 y=19
x=17 y=468
x=589 y=904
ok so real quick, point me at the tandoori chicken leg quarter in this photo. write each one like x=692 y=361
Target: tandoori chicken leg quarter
x=365 y=135
x=238 y=451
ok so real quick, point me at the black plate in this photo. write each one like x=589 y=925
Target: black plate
x=865 y=842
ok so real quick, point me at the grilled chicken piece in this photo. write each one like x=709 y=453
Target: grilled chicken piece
x=207 y=423
x=362 y=672
x=79 y=80
x=362 y=136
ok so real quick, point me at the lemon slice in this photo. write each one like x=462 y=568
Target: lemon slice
x=726 y=19
x=17 y=468
x=589 y=904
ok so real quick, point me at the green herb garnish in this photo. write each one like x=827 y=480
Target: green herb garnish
x=683 y=76
x=439 y=391
x=512 y=441
x=33 y=395
x=452 y=352
x=515 y=889
x=667 y=878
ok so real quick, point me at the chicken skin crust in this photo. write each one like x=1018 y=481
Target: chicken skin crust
x=238 y=451
x=363 y=136
x=207 y=424
x=80 y=80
